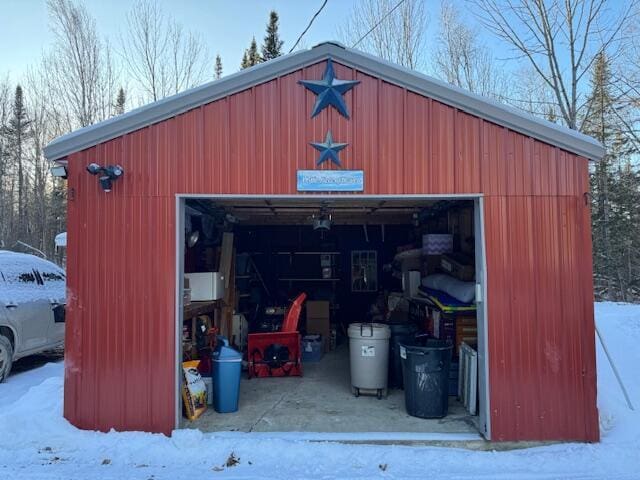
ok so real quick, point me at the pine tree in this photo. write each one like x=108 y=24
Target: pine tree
x=616 y=230
x=120 y=102
x=17 y=134
x=245 y=61
x=218 y=68
x=272 y=46
x=251 y=55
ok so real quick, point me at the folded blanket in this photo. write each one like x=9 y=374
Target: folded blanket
x=463 y=291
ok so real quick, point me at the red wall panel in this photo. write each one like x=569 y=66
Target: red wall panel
x=120 y=359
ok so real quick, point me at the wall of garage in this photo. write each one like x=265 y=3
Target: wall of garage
x=120 y=367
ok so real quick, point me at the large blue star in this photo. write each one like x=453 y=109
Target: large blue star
x=328 y=150
x=329 y=91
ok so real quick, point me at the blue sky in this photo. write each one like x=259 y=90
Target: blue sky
x=226 y=26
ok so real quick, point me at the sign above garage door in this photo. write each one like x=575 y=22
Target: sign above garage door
x=330 y=180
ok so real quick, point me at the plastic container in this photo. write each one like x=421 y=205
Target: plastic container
x=208 y=382
x=225 y=374
x=312 y=348
x=425 y=369
x=400 y=333
x=369 y=358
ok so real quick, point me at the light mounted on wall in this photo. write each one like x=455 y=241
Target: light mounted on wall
x=107 y=174
x=59 y=171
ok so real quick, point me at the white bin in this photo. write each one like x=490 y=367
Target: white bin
x=369 y=358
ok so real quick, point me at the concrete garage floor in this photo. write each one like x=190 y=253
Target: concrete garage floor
x=321 y=401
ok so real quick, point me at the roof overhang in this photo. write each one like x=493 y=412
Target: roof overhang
x=411 y=80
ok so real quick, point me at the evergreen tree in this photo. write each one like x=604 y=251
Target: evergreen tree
x=120 y=102
x=272 y=46
x=17 y=134
x=218 y=67
x=245 y=61
x=614 y=189
x=251 y=55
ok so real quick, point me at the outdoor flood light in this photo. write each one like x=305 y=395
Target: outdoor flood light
x=59 y=171
x=108 y=174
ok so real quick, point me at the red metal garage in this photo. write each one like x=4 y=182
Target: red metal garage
x=249 y=134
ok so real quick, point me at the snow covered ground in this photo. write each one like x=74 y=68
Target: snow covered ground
x=37 y=443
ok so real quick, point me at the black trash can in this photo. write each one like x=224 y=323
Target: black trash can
x=400 y=333
x=425 y=369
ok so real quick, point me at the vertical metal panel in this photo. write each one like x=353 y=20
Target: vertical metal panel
x=537 y=320
x=215 y=164
x=467 y=153
x=417 y=150
x=494 y=161
x=120 y=353
x=390 y=139
x=366 y=129
x=295 y=109
x=267 y=145
x=441 y=130
x=343 y=128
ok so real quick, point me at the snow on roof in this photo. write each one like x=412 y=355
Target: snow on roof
x=411 y=80
x=61 y=239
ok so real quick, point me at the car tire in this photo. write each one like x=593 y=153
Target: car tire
x=6 y=357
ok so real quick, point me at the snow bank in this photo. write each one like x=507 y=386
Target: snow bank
x=619 y=325
x=37 y=443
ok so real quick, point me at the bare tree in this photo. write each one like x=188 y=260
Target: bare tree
x=461 y=59
x=559 y=39
x=160 y=57
x=395 y=35
x=529 y=92
x=80 y=72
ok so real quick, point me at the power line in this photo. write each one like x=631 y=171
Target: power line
x=377 y=24
x=309 y=26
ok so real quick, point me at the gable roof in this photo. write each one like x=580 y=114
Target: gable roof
x=477 y=105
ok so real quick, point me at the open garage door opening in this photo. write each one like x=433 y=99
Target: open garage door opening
x=281 y=279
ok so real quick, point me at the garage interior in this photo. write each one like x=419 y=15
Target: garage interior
x=357 y=260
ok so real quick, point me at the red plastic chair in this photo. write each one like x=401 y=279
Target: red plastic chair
x=292 y=318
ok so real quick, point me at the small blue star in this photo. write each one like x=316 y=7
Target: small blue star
x=328 y=150
x=329 y=91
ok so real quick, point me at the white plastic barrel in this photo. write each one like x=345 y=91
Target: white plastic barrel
x=369 y=355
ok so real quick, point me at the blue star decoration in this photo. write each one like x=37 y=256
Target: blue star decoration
x=329 y=91
x=328 y=150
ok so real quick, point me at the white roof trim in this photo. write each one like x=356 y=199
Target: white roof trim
x=477 y=105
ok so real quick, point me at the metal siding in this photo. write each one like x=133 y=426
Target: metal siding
x=467 y=153
x=417 y=150
x=120 y=352
x=541 y=371
x=390 y=139
x=366 y=129
x=343 y=128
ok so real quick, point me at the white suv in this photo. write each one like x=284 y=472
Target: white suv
x=32 y=301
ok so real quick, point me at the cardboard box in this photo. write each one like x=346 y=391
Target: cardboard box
x=318 y=321
x=320 y=326
x=317 y=309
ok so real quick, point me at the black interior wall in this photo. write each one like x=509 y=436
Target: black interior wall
x=264 y=242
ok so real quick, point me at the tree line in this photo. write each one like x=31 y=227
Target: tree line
x=575 y=63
